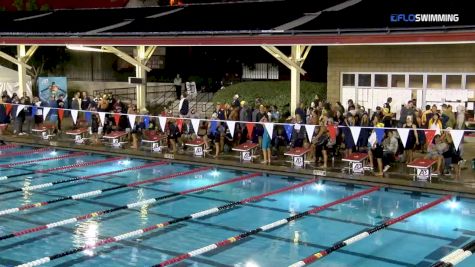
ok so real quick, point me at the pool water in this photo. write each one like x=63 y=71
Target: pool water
x=420 y=240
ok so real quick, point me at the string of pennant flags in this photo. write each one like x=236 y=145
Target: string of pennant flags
x=376 y=136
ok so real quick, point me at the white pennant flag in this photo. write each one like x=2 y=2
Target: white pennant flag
x=196 y=125
x=403 y=134
x=269 y=128
x=355 y=132
x=102 y=116
x=74 y=115
x=162 y=121
x=132 y=120
x=19 y=108
x=45 y=112
x=457 y=136
x=231 y=126
x=310 y=130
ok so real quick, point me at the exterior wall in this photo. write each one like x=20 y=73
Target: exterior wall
x=401 y=58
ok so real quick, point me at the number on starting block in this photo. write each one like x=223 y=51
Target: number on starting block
x=198 y=151
x=319 y=173
x=45 y=135
x=156 y=147
x=246 y=156
x=422 y=174
x=357 y=167
x=298 y=161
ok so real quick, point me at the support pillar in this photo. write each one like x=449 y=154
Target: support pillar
x=294 y=80
x=21 y=53
x=140 y=72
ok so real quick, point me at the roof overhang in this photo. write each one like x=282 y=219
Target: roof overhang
x=249 y=40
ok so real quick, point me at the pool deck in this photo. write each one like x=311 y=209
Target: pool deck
x=397 y=177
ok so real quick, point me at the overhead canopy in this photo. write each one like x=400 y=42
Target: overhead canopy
x=273 y=22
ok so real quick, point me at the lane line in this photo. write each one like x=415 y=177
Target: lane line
x=45 y=185
x=160 y=225
x=97 y=192
x=321 y=254
x=124 y=207
x=266 y=227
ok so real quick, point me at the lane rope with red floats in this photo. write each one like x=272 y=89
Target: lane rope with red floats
x=161 y=225
x=26 y=152
x=266 y=227
x=124 y=207
x=456 y=256
x=45 y=185
x=98 y=192
x=63 y=168
x=321 y=254
x=65 y=156
x=9 y=146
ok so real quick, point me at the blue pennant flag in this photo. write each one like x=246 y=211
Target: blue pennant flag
x=214 y=125
x=379 y=135
x=288 y=131
x=146 y=121
x=33 y=110
x=88 y=116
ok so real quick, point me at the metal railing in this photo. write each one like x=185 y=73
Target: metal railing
x=155 y=93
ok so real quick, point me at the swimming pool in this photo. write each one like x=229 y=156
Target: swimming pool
x=55 y=218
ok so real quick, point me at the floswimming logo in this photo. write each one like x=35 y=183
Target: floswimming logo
x=424 y=18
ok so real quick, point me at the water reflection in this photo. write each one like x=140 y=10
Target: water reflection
x=27 y=193
x=85 y=234
x=143 y=209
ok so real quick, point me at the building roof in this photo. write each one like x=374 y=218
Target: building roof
x=273 y=22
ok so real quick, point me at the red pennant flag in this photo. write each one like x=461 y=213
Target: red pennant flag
x=179 y=123
x=429 y=136
x=332 y=131
x=116 y=118
x=250 y=127
x=60 y=114
x=8 y=107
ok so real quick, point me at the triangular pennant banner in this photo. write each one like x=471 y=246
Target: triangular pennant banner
x=60 y=113
x=196 y=124
x=146 y=121
x=163 y=122
x=131 y=118
x=179 y=123
x=429 y=136
x=214 y=125
x=457 y=136
x=33 y=110
x=332 y=131
x=403 y=134
x=372 y=138
x=310 y=130
x=102 y=117
x=74 y=115
x=297 y=126
x=288 y=130
x=269 y=128
x=45 y=112
x=379 y=134
x=19 y=108
x=231 y=126
x=117 y=118
x=88 y=116
x=8 y=107
x=355 y=132
x=250 y=127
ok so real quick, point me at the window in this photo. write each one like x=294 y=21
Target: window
x=453 y=81
x=398 y=80
x=470 y=82
x=434 y=81
x=380 y=80
x=364 y=80
x=348 y=80
x=416 y=81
